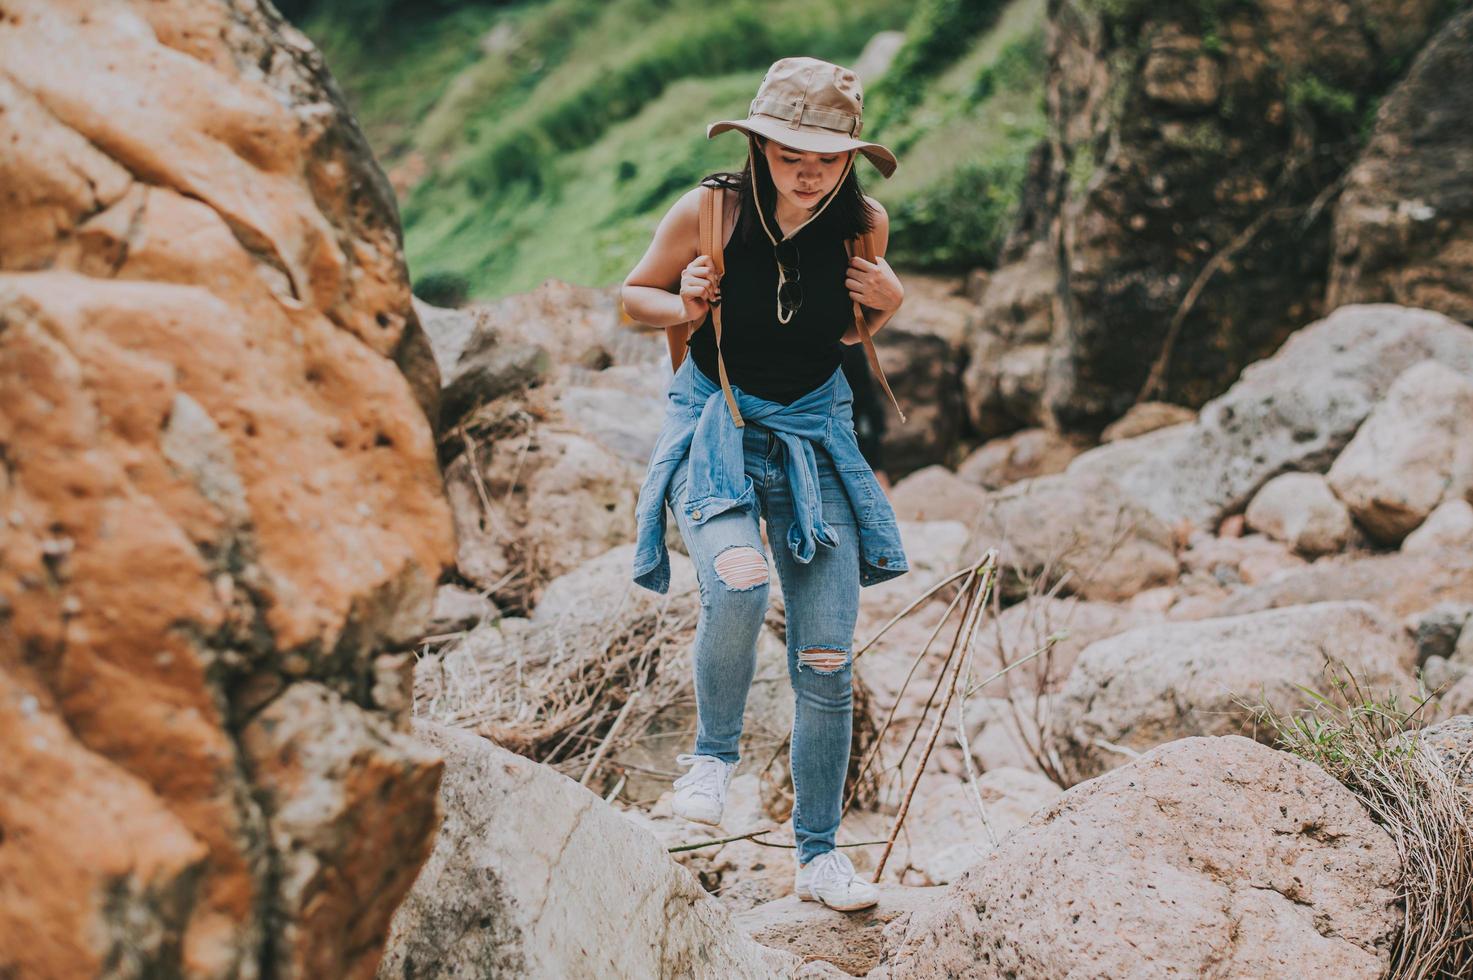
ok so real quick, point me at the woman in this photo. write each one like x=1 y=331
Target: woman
x=776 y=443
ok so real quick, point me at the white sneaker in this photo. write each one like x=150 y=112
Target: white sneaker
x=830 y=879
x=700 y=795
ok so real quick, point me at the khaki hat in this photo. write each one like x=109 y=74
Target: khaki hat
x=810 y=105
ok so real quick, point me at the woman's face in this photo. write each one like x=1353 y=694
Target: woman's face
x=803 y=178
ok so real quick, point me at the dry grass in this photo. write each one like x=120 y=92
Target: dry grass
x=1372 y=747
x=554 y=692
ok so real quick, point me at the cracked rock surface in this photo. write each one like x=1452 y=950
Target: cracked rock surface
x=220 y=510
x=1207 y=857
x=534 y=876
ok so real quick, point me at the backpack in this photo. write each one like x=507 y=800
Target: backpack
x=713 y=239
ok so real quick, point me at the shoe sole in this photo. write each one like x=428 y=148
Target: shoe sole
x=809 y=897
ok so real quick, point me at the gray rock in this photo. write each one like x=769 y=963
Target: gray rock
x=1300 y=510
x=1449 y=526
x=1157 y=683
x=532 y=875
x=1206 y=857
x=1293 y=411
x=1414 y=451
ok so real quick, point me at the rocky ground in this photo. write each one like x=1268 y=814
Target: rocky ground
x=1159 y=587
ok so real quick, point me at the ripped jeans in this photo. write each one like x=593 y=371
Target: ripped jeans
x=822 y=602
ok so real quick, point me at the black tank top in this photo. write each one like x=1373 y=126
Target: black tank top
x=780 y=362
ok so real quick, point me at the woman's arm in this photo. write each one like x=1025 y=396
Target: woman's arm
x=654 y=292
x=874 y=285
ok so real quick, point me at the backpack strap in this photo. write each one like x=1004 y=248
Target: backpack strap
x=864 y=246
x=713 y=241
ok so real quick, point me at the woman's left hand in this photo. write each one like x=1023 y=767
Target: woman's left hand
x=874 y=284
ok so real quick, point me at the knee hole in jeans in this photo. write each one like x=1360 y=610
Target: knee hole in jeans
x=741 y=567
x=823 y=660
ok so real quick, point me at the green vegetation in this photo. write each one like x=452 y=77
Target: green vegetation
x=545 y=138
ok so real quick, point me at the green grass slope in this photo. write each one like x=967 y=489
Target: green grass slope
x=546 y=138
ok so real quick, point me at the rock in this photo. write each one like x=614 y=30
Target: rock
x=507 y=902
x=1463 y=652
x=220 y=495
x=556 y=498
x=625 y=423
x=1451 y=740
x=1233 y=561
x=1065 y=626
x=1414 y=451
x=489 y=368
x=921 y=352
x=1450 y=525
x=1156 y=683
x=324 y=767
x=459 y=609
x=600 y=589
x=934 y=549
x=1142 y=226
x=1436 y=630
x=854 y=942
x=1008 y=459
x=1007 y=351
x=1293 y=411
x=1085 y=526
x=1439 y=673
x=1009 y=732
x=1144 y=417
x=742 y=874
x=1207 y=856
x=1404 y=223
x=1300 y=510
x=1458 y=699
x=1400 y=584
x=944 y=831
x=936 y=494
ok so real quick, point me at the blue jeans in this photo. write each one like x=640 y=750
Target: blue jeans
x=822 y=600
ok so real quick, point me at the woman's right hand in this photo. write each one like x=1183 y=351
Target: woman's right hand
x=699 y=287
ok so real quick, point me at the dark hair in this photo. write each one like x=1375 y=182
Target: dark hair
x=847 y=216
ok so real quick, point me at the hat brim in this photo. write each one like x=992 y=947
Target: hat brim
x=807 y=140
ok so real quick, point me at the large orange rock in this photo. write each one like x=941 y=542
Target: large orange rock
x=218 y=489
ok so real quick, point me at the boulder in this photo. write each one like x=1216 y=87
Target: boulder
x=1400 y=584
x=1205 y=857
x=600 y=589
x=1181 y=246
x=1295 y=410
x=1413 y=452
x=944 y=831
x=1064 y=625
x=854 y=942
x=1087 y=527
x=458 y=609
x=538 y=504
x=1436 y=631
x=1451 y=740
x=532 y=875
x=1008 y=459
x=1300 y=510
x=1458 y=699
x=1234 y=561
x=220 y=497
x=936 y=494
x=1144 y=417
x=1450 y=525
x=1007 y=349
x=1157 y=683
x=1404 y=222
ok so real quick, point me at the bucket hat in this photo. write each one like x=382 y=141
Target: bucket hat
x=810 y=105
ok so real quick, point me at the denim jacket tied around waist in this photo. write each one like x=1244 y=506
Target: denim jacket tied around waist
x=699 y=432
